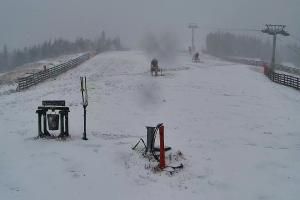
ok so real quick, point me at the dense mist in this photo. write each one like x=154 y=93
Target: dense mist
x=29 y=23
x=162 y=46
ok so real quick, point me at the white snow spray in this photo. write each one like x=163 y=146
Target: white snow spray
x=161 y=46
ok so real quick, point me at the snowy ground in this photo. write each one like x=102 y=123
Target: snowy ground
x=238 y=131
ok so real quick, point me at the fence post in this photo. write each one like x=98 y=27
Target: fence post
x=272 y=73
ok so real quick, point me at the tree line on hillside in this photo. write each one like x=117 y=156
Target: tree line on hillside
x=224 y=44
x=228 y=44
x=291 y=53
x=53 y=48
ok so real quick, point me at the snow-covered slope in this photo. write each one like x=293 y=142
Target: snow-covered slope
x=238 y=132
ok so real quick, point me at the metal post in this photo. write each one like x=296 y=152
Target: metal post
x=273 y=52
x=193 y=45
x=46 y=133
x=84 y=124
x=274 y=30
x=39 y=125
x=67 y=123
x=150 y=137
x=84 y=96
x=40 y=133
x=193 y=26
x=62 y=127
x=162 y=162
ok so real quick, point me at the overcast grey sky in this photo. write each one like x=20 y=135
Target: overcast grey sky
x=28 y=22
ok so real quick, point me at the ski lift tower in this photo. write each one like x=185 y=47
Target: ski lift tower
x=275 y=30
x=193 y=26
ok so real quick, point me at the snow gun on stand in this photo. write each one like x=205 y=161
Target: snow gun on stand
x=154 y=69
x=85 y=103
x=196 y=58
x=151 y=151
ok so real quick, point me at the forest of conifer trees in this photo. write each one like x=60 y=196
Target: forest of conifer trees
x=224 y=44
x=53 y=48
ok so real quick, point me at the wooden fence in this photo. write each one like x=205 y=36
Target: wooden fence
x=284 y=79
x=35 y=78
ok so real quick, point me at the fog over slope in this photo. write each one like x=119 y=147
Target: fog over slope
x=29 y=22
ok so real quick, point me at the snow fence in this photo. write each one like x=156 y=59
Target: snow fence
x=35 y=78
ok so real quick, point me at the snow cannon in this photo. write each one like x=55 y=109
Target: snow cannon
x=150 y=148
x=196 y=58
x=155 y=153
x=154 y=69
x=58 y=118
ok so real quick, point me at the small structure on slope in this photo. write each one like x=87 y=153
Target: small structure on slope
x=56 y=114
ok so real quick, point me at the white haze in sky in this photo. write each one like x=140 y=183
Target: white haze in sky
x=28 y=22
